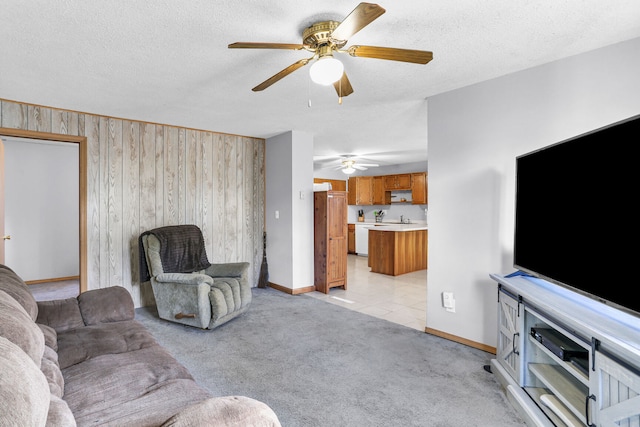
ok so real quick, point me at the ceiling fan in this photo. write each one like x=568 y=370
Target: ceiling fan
x=349 y=166
x=327 y=37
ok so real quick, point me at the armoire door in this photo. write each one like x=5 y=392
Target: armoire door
x=338 y=238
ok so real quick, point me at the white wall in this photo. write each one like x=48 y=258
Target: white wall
x=475 y=133
x=289 y=174
x=42 y=208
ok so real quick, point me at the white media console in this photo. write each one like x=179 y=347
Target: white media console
x=581 y=365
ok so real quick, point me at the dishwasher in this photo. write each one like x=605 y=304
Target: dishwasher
x=362 y=239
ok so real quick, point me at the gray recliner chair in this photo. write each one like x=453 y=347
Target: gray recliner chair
x=188 y=289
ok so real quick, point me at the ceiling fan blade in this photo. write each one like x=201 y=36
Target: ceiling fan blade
x=360 y=167
x=250 y=45
x=391 y=53
x=369 y=165
x=290 y=69
x=360 y=17
x=343 y=86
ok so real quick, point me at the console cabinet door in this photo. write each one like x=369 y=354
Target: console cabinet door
x=615 y=393
x=510 y=324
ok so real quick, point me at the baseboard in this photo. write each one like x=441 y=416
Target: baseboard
x=461 y=340
x=290 y=291
x=56 y=279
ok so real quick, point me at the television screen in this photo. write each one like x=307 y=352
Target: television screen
x=575 y=218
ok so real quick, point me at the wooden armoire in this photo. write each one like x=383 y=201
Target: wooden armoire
x=330 y=240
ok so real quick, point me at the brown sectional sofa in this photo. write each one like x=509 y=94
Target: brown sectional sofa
x=87 y=361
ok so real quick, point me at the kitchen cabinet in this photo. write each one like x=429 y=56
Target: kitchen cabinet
x=361 y=190
x=397 y=250
x=330 y=240
x=397 y=182
x=336 y=184
x=351 y=239
x=419 y=188
x=380 y=194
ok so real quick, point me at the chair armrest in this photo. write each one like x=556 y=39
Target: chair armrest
x=184 y=278
x=183 y=297
x=232 y=269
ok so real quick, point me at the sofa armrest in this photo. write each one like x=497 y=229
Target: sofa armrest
x=228 y=411
x=239 y=270
x=105 y=305
x=61 y=314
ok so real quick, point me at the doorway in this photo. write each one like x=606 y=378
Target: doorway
x=81 y=201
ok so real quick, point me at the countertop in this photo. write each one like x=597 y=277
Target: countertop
x=394 y=226
x=401 y=227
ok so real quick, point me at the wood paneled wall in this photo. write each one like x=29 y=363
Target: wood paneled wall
x=145 y=175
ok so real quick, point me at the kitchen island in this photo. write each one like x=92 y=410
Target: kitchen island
x=396 y=249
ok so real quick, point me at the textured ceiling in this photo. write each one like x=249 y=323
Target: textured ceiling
x=167 y=62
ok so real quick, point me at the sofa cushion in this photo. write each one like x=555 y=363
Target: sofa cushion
x=24 y=393
x=80 y=344
x=17 y=326
x=51 y=371
x=61 y=315
x=12 y=284
x=59 y=414
x=143 y=388
x=227 y=411
x=105 y=305
x=50 y=336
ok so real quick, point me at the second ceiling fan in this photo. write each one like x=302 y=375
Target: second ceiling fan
x=328 y=37
x=349 y=166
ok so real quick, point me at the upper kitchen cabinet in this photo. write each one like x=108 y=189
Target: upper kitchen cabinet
x=419 y=188
x=360 y=190
x=336 y=184
x=397 y=182
x=380 y=195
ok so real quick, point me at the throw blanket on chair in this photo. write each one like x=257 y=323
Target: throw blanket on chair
x=181 y=250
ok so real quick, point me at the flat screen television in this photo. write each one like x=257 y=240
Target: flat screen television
x=575 y=218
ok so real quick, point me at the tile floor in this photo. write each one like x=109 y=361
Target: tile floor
x=399 y=299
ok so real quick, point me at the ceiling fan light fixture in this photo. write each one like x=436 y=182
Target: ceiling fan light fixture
x=326 y=70
x=348 y=170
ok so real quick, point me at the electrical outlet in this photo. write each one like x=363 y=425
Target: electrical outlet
x=448 y=302
x=452 y=308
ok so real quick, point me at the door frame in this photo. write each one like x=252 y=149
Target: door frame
x=82 y=182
